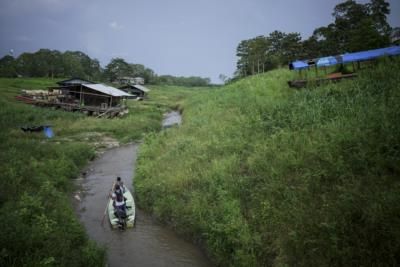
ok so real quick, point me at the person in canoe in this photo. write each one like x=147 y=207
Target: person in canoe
x=120 y=183
x=119 y=203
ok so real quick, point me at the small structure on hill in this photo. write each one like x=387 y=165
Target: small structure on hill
x=137 y=91
x=395 y=36
x=80 y=95
x=124 y=80
x=138 y=80
x=130 y=80
x=342 y=60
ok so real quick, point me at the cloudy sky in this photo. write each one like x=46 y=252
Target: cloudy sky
x=178 y=37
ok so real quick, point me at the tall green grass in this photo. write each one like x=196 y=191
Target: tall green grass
x=265 y=176
x=39 y=227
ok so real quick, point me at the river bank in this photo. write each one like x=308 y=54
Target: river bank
x=40 y=226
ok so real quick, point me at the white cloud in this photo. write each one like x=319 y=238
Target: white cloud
x=22 y=38
x=114 y=25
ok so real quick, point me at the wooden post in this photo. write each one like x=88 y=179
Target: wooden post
x=354 y=67
x=110 y=101
x=80 y=96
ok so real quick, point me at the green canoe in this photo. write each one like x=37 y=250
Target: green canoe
x=127 y=221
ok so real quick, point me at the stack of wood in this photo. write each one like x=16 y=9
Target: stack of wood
x=48 y=95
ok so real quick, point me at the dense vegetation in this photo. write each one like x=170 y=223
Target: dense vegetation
x=265 y=176
x=55 y=64
x=355 y=27
x=39 y=227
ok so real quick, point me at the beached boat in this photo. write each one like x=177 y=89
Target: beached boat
x=119 y=220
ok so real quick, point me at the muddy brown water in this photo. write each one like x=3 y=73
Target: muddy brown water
x=148 y=243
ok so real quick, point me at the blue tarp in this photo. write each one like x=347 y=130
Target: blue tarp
x=48 y=131
x=349 y=57
x=371 y=54
x=297 y=65
x=326 y=61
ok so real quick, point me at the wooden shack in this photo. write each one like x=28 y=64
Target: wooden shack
x=84 y=96
x=93 y=97
x=136 y=90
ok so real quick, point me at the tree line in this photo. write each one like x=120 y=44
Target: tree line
x=355 y=27
x=56 y=64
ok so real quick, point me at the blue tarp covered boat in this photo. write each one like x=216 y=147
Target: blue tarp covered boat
x=335 y=60
x=371 y=54
x=298 y=65
x=347 y=58
x=327 y=61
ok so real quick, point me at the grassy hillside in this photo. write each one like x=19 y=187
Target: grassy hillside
x=39 y=227
x=263 y=175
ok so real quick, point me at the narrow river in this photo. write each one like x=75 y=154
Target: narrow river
x=148 y=243
x=172 y=118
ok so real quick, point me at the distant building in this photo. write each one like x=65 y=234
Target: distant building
x=130 y=80
x=138 y=80
x=125 y=80
x=138 y=91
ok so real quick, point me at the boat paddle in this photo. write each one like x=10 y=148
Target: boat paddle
x=105 y=211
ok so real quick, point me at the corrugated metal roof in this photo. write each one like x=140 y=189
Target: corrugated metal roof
x=106 y=89
x=74 y=81
x=141 y=87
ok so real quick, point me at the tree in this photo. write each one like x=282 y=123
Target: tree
x=8 y=66
x=356 y=27
x=242 y=52
x=25 y=65
x=223 y=78
x=262 y=53
x=78 y=64
x=117 y=67
x=291 y=47
x=72 y=64
x=378 y=10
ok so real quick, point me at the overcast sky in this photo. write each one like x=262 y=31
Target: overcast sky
x=178 y=37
